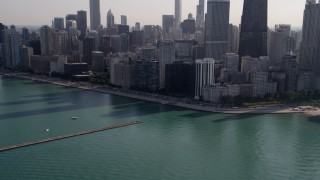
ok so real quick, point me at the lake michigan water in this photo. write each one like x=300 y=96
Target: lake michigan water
x=171 y=144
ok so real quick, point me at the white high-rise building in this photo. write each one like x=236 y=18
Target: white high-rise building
x=95 y=17
x=204 y=75
x=166 y=56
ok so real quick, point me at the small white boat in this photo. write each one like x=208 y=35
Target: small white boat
x=74 y=118
x=47 y=130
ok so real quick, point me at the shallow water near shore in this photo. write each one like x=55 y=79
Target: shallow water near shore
x=172 y=143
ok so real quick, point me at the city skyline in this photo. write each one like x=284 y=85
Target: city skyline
x=278 y=13
x=215 y=59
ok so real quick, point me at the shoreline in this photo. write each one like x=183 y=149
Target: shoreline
x=272 y=109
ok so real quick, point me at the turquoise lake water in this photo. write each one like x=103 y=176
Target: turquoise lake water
x=171 y=144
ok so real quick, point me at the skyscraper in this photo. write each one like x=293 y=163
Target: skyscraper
x=180 y=78
x=309 y=58
x=124 y=20
x=297 y=35
x=136 y=39
x=254 y=29
x=217 y=25
x=36 y=45
x=94 y=34
x=188 y=26
x=148 y=52
x=110 y=19
x=12 y=41
x=124 y=42
x=25 y=35
x=148 y=74
x=70 y=18
x=200 y=14
x=137 y=26
x=60 y=42
x=46 y=40
x=58 y=23
x=2 y=49
x=280 y=43
x=177 y=11
x=25 y=53
x=97 y=61
x=82 y=23
x=204 y=75
x=95 y=17
x=231 y=62
x=149 y=34
x=2 y=28
x=71 y=24
x=233 y=38
x=1 y=55
x=166 y=56
x=88 y=47
x=73 y=39
x=167 y=23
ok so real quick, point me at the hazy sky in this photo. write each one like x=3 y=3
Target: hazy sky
x=41 y=12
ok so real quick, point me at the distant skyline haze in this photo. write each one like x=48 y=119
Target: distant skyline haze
x=147 y=12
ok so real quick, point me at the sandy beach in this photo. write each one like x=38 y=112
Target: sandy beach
x=272 y=109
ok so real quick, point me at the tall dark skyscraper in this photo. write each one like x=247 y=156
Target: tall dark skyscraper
x=217 y=26
x=309 y=58
x=95 y=17
x=82 y=23
x=2 y=28
x=88 y=47
x=36 y=45
x=25 y=35
x=254 y=29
